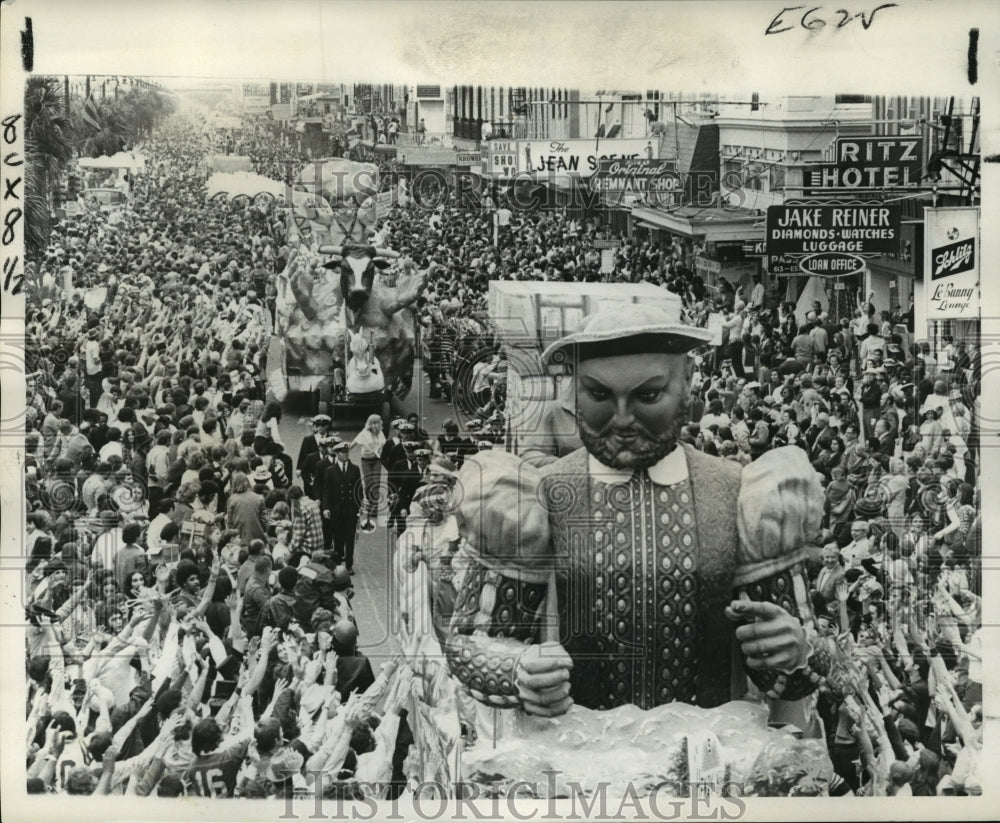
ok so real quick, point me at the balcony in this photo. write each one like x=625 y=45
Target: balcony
x=468 y=128
x=509 y=130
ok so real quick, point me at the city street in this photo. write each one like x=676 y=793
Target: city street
x=372 y=583
x=758 y=315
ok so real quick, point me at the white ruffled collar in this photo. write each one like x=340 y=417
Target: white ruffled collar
x=671 y=470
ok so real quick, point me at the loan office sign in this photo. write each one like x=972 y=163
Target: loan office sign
x=859 y=228
x=868 y=163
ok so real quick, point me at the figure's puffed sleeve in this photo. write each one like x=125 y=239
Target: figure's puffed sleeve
x=499 y=609
x=779 y=515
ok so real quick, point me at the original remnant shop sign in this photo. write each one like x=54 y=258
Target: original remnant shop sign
x=951 y=262
x=654 y=181
x=862 y=228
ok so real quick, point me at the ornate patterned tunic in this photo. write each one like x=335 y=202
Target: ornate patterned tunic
x=644 y=566
x=638 y=567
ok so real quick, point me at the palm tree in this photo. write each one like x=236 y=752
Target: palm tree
x=110 y=138
x=48 y=146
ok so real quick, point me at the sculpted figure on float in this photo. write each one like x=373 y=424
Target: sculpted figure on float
x=380 y=309
x=328 y=307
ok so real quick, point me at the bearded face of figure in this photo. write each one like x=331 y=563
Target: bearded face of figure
x=631 y=408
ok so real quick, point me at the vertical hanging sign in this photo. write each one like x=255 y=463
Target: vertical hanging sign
x=951 y=262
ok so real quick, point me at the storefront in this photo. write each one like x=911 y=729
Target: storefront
x=709 y=241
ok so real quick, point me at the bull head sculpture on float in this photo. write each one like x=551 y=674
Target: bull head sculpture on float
x=357 y=264
x=380 y=307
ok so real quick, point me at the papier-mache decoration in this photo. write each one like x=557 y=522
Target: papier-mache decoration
x=501 y=517
x=779 y=514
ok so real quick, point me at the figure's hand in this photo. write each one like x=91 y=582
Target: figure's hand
x=843 y=590
x=542 y=679
x=773 y=639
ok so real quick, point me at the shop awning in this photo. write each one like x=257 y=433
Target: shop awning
x=711 y=224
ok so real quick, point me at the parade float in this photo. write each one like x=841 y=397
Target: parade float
x=345 y=327
x=346 y=331
x=745 y=748
x=353 y=190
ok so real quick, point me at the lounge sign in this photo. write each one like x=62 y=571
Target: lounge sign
x=951 y=262
x=861 y=228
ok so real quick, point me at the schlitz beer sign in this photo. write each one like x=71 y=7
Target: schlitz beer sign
x=951 y=261
x=954 y=258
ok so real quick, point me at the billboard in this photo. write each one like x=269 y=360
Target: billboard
x=857 y=228
x=951 y=262
x=561 y=158
x=501 y=158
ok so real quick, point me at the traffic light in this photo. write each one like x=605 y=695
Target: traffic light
x=72 y=187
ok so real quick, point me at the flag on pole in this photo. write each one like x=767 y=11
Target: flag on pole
x=91 y=115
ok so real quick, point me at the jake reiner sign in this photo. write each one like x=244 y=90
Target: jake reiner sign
x=865 y=228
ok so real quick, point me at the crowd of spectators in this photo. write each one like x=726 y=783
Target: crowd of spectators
x=893 y=433
x=189 y=599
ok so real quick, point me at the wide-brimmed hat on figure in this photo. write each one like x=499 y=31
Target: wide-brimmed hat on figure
x=623 y=330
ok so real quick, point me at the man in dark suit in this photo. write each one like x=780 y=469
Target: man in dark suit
x=310 y=443
x=819 y=435
x=884 y=438
x=404 y=477
x=314 y=466
x=342 y=491
x=313 y=472
x=393 y=451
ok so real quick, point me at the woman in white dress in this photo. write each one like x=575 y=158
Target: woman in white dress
x=370 y=440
